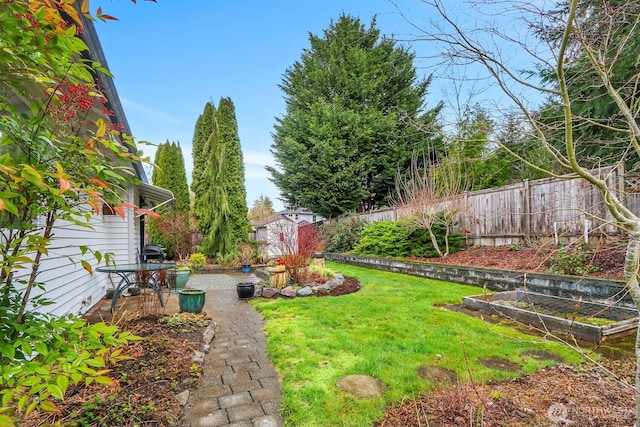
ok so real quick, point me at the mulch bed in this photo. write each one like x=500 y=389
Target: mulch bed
x=607 y=259
x=144 y=388
x=349 y=286
x=556 y=396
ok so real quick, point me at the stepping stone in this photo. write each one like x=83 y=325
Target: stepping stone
x=183 y=397
x=362 y=386
x=437 y=374
x=543 y=355
x=499 y=364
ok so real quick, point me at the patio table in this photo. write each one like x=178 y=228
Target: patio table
x=127 y=273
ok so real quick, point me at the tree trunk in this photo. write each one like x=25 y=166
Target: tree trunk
x=434 y=240
x=631 y=266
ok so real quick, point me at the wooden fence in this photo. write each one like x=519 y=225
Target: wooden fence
x=562 y=209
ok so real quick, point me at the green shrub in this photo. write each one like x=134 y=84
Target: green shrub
x=573 y=262
x=322 y=271
x=198 y=259
x=228 y=260
x=342 y=235
x=43 y=356
x=401 y=239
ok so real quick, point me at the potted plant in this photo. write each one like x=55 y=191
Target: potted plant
x=247 y=255
x=191 y=300
x=182 y=273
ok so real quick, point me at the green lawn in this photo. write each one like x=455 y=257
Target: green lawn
x=387 y=330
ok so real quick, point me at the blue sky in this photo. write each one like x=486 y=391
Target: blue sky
x=171 y=57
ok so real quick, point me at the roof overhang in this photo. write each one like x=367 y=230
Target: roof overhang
x=153 y=197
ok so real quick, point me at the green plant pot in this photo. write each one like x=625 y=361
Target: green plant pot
x=191 y=300
x=182 y=277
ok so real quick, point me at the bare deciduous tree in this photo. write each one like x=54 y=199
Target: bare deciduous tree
x=575 y=47
x=431 y=195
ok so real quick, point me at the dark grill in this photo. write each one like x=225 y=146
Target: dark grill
x=153 y=253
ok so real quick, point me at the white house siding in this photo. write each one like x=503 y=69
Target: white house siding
x=68 y=284
x=272 y=232
x=123 y=235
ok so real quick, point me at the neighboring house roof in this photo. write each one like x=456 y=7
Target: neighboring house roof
x=299 y=211
x=273 y=218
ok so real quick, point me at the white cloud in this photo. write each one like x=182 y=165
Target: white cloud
x=254 y=171
x=258 y=158
x=132 y=105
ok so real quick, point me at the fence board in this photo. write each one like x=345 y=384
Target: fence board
x=561 y=208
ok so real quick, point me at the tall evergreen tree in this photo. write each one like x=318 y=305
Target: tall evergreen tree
x=600 y=142
x=225 y=197
x=169 y=173
x=179 y=185
x=205 y=126
x=485 y=166
x=350 y=102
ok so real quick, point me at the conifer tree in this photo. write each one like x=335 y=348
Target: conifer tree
x=169 y=173
x=224 y=221
x=262 y=209
x=350 y=101
x=205 y=126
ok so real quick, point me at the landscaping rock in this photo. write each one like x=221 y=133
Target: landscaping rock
x=337 y=280
x=198 y=357
x=289 y=291
x=305 y=292
x=362 y=386
x=208 y=335
x=331 y=284
x=320 y=288
x=183 y=397
x=270 y=292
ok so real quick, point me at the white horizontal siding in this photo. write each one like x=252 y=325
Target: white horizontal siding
x=66 y=282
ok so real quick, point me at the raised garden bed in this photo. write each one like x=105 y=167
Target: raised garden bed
x=562 y=315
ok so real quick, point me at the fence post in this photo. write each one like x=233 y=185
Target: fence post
x=527 y=208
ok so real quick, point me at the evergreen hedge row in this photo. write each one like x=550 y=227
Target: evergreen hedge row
x=403 y=239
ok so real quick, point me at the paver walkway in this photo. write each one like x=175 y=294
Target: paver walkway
x=239 y=387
